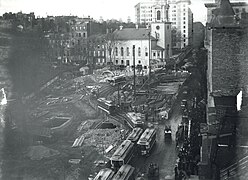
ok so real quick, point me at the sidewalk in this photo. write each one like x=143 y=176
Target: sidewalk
x=192 y=177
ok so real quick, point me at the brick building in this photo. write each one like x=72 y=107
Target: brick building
x=226 y=41
x=71 y=45
x=96 y=49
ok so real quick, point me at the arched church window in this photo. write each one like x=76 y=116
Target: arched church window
x=158 y=15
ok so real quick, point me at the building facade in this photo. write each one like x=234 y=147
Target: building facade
x=226 y=41
x=72 y=45
x=181 y=17
x=148 y=44
x=78 y=41
x=96 y=48
x=147 y=12
x=175 y=11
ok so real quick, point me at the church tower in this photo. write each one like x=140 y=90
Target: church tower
x=160 y=11
x=162 y=32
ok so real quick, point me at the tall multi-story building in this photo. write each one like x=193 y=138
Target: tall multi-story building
x=78 y=43
x=181 y=17
x=175 y=11
x=147 y=12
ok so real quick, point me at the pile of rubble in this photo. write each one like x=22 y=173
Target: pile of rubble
x=86 y=125
x=102 y=139
x=40 y=152
x=85 y=80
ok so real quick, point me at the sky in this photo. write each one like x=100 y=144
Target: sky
x=108 y=9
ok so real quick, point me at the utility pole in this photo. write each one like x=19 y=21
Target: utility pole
x=149 y=60
x=163 y=59
x=134 y=83
x=119 y=94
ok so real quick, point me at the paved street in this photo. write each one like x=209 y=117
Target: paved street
x=164 y=152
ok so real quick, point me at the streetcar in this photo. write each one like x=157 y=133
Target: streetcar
x=126 y=172
x=122 y=155
x=105 y=174
x=135 y=135
x=117 y=80
x=147 y=141
x=167 y=132
x=135 y=120
x=106 y=105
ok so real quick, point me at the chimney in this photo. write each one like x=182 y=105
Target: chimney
x=136 y=26
x=121 y=27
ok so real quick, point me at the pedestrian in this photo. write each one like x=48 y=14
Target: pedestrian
x=176 y=172
x=180 y=165
x=197 y=169
x=181 y=175
x=177 y=142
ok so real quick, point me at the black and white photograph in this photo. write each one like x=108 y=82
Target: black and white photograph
x=124 y=90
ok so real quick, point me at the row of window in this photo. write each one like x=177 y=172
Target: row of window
x=139 y=52
x=78 y=27
x=122 y=62
x=176 y=6
x=146 y=15
x=127 y=63
x=97 y=53
x=145 y=7
x=237 y=10
x=79 y=35
x=146 y=11
x=144 y=20
x=102 y=53
x=128 y=51
x=73 y=42
x=101 y=60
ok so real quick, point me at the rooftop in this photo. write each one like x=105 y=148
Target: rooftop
x=133 y=34
x=223 y=15
x=156 y=47
x=209 y=5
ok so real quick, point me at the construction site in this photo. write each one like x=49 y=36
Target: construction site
x=63 y=118
x=56 y=130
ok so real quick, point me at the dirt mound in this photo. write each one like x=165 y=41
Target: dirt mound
x=40 y=152
x=85 y=79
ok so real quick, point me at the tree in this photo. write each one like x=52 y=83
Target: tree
x=176 y=37
x=111 y=44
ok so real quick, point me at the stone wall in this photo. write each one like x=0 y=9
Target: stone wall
x=243 y=56
x=226 y=62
